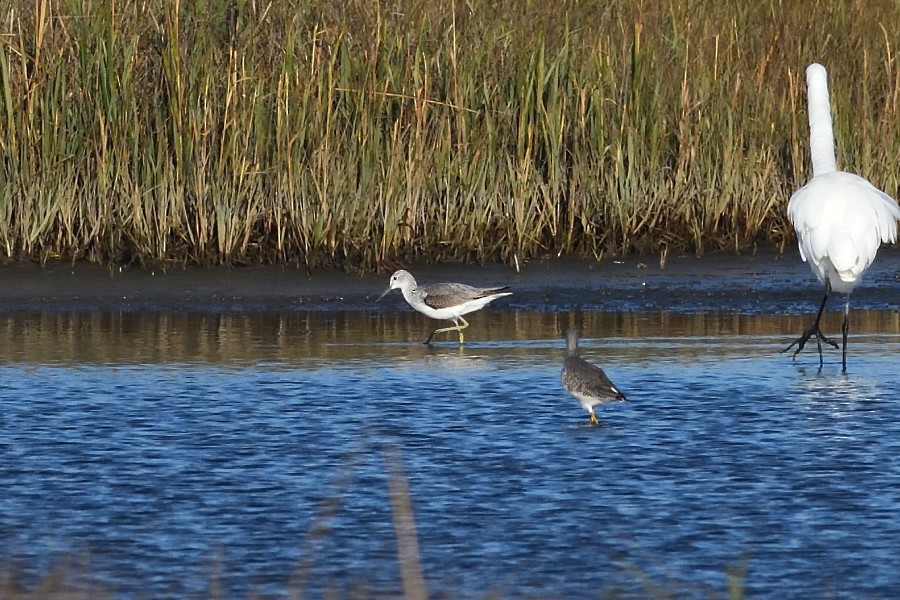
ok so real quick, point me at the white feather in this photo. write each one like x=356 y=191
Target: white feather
x=840 y=218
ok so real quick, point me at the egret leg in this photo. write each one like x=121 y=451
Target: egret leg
x=814 y=330
x=457 y=329
x=845 y=329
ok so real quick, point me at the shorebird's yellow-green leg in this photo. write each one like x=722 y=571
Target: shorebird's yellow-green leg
x=457 y=329
x=594 y=420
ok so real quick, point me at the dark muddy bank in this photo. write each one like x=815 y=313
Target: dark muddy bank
x=758 y=284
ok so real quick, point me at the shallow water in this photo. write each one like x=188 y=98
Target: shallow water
x=181 y=452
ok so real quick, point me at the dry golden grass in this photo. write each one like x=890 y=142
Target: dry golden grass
x=359 y=134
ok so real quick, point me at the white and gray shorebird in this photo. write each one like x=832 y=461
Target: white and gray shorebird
x=448 y=301
x=586 y=382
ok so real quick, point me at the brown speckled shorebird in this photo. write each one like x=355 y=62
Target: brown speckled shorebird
x=586 y=382
x=443 y=300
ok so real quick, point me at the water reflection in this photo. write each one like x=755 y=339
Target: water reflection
x=290 y=337
x=162 y=444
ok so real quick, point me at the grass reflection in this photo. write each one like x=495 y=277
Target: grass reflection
x=298 y=336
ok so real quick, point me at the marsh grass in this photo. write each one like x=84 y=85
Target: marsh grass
x=362 y=134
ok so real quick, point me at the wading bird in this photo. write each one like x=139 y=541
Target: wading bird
x=586 y=382
x=840 y=218
x=448 y=301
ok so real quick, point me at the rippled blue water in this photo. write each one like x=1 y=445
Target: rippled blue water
x=176 y=475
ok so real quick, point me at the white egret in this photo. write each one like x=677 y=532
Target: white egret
x=840 y=218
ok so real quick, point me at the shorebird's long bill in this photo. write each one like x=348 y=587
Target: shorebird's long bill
x=383 y=294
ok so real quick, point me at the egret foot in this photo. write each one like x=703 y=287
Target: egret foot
x=800 y=342
x=815 y=331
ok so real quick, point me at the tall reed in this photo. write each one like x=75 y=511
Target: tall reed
x=363 y=134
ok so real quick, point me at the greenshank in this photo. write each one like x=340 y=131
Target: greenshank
x=586 y=382
x=448 y=301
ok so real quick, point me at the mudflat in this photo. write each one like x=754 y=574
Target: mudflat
x=758 y=283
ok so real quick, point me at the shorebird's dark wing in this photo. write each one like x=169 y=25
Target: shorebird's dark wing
x=587 y=378
x=445 y=295
x=438 y=302
x=490 y=291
